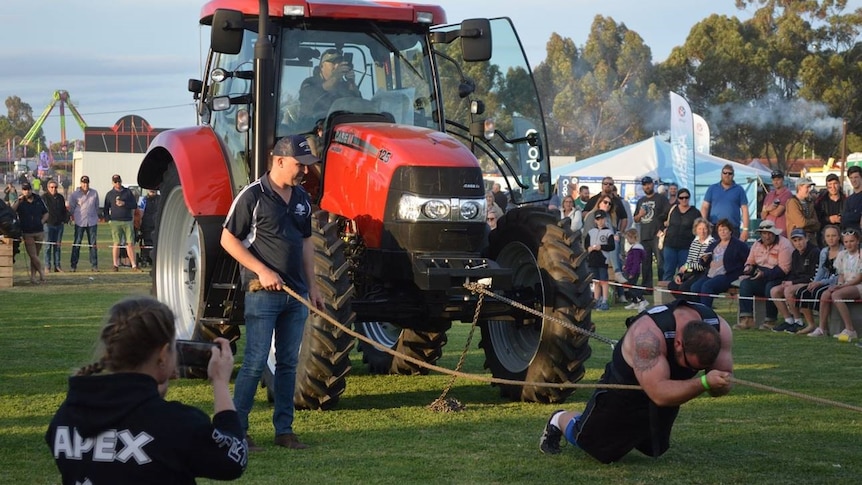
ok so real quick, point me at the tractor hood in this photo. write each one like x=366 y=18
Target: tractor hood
x=369 y=166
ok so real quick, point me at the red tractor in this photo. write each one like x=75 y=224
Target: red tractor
x=400 y=211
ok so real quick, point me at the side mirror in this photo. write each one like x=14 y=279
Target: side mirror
x=227 y=31
x=476 y=39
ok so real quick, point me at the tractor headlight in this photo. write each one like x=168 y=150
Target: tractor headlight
x=409 y=208
x=469 y=210
x=436 y=209
x=416 y=208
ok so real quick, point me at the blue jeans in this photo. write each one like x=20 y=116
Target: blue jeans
x=91 y=240
x=52 y=248
x=267 y=312
x=712 y=286
x=759 y=287
x=673 y=259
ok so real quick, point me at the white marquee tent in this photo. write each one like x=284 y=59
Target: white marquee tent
x=627 y=165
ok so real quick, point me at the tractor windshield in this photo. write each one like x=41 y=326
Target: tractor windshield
x=358 y=67
x=518 y=150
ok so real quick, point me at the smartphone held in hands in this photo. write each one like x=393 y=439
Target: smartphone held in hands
x=194 y=354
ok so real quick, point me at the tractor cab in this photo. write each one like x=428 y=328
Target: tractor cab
x=471 y=80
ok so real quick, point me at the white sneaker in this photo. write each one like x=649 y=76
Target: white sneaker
x=817 y=332
x=631 y=306
x=850 y=335
x=643 y=305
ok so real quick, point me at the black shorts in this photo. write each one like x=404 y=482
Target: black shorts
x=617 y=421
x=811 y=299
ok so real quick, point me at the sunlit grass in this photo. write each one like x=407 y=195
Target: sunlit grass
x=383 y=433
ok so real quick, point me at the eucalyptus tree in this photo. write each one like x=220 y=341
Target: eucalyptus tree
x=597 y=96
x=763 y=84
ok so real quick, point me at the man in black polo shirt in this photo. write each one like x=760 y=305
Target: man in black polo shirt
x=268 y=231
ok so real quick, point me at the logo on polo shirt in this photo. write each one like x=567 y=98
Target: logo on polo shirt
x=301 y=210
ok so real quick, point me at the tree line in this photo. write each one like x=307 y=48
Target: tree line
x=779 y=86
x=775 y=86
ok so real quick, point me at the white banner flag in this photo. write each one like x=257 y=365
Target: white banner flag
x=701 y=134
x=682 y=141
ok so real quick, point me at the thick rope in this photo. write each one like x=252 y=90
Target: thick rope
x=442 y=370
x=567 y=385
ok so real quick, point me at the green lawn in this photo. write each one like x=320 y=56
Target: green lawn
x=382 y=432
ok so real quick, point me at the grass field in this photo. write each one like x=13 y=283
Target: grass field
x=383 y=433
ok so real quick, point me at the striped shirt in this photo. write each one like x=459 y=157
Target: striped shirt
x=695 y=251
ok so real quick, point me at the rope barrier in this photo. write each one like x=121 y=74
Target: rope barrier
x=81 y=245
x=611 y=283
x=719 y=295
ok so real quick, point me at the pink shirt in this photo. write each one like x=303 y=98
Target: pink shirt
x=782 y=197
x=779 y=254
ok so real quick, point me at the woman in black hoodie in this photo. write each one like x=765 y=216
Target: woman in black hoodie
x=116 y=426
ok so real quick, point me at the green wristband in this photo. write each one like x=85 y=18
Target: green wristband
x=704 y=382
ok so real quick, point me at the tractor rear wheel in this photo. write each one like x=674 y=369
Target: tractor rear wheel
x=542 y=256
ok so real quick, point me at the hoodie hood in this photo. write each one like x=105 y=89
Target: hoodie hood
x=99 y=402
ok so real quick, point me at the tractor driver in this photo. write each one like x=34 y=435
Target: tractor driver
x=334 y=78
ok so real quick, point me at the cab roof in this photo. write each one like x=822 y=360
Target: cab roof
x=333 y=9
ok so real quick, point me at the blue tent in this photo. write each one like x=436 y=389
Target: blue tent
x=653 y=157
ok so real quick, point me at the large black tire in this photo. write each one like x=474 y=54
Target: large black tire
x=542 y=256
x=324 y=357
x=424 y=346
x=184 y=256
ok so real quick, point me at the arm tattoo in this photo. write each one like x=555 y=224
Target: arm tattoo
x=647 y=351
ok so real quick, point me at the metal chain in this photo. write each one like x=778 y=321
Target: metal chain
x=441 y=403
x=483 y=290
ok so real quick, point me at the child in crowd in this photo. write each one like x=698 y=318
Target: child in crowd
x=802 y=269
x=632 y=269
x=599 y=239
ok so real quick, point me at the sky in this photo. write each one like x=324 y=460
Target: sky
x=119 y=57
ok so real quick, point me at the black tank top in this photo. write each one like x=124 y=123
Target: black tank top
x=662 y=315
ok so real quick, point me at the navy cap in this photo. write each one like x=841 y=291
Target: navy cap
x=797 y=233
x=646 y=180
x=600 y=214
x=295 y=146
x=777 y=174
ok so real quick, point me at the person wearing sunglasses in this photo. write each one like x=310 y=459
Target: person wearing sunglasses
x=679 y=234
x=333 y=79
x=615 y=207
x=769 y=261
x=727 y=200
x=662 y=351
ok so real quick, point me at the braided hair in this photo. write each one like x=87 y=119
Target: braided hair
x=135 y=328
